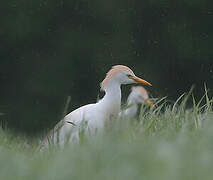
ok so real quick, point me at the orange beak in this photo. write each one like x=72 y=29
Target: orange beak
x=148 y=102
x=139 y=80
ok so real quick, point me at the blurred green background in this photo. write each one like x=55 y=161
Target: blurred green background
x=52 y=49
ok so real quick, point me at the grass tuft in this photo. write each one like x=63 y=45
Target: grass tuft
x=164 y=142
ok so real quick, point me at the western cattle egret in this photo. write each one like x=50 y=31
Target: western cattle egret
x=92 y=117
x=138 y=96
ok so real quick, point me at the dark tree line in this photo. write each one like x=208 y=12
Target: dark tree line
x=52 y=49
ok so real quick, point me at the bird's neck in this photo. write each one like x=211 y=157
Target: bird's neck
x=111 y=102
x=132 y=109
x=131 y=99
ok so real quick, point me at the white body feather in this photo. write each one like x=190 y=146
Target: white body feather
x=89 y=119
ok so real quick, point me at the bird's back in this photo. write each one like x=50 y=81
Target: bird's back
x=84 y=120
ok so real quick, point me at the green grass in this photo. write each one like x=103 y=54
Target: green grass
x=166 y=142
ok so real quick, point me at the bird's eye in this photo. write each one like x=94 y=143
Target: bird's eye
x=130 y=76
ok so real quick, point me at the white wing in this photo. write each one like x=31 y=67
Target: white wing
x=82 y=122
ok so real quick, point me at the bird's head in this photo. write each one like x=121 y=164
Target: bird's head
x=120 y=74
x=140 y=95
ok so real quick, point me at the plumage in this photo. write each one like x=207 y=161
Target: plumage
x=91 y=118
x=112 y=72
x=138 y=95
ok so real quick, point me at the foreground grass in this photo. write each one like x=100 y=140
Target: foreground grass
x=167 y=142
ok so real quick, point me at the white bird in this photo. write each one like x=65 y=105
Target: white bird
x=138 y=95
x=90 y=118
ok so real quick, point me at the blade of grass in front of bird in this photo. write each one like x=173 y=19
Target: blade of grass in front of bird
x=176 y=102
x=195 y=111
